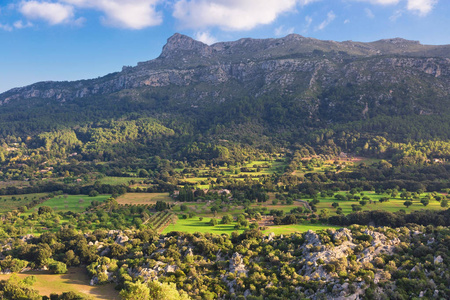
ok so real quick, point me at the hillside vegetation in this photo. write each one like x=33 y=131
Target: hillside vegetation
x=284 y=168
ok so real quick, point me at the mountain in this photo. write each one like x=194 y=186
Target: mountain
x=261 y=65
x=252 y=89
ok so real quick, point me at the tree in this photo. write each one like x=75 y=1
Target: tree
x=289 y=219
x=356 y=207
x=57 y=267
x=407 y=203
x=43 y=253
x=136 y=291
x=165 y=291
x=16 y=289
x=93 y=193
x=161 y=205
x=444 y=203
x=152 y=290
x=227 y=219
x=143 y=173
x=425 y=201
x=45 y=209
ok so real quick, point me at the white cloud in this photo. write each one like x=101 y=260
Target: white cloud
x=369 y=13
x=347 y=21
x=53 y=13
x=205 y=37
x=232 y=14
x=281 y=31
x=330 y=18
x=397 y=14
x=132 y=14
x=309 y=21
x=422 y=7
x=306 y=2
x=19 y=24
x=381 y=2
x=6 y=27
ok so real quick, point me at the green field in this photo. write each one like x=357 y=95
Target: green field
x=287 y=229
x=267 y=167
x=10 y=203
x=195 y=225
x=143 y=198
x=119 y=180
x=393 y=205
x=74 y=203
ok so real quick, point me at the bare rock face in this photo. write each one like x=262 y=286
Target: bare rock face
x=236 y=264
x=179 y=44
x=198 y=74
x=170 y=268
x=121 y=239
x=343 y=234
x=312 y=239
x=438 y=260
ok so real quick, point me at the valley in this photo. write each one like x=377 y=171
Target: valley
x=288 y=168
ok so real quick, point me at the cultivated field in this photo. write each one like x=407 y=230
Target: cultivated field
x=119 y=180
x=195 y=225
x=10 y=203
x=74 y=203
x=393 y=205
x=143 y=198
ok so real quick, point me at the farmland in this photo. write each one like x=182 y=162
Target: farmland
x=73 y=203
x=195 y=225
x=195 y=216
x=10 y=203
x=143 y=198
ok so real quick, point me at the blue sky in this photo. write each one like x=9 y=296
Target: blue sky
x=79 y=39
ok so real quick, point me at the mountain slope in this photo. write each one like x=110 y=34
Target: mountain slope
x=279 y=88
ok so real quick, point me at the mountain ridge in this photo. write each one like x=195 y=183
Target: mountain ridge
x=292 y=85
x=181 y=48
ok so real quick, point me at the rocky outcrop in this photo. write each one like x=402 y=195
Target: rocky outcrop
x=293 y=65
x=236 y=264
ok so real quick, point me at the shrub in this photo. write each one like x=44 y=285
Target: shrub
x=57 y=267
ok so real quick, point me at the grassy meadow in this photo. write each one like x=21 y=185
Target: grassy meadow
x=143 y=198
x=393 y=205
x=76 y=280
x=10 y=203
x=74 y=203
x=195 y=225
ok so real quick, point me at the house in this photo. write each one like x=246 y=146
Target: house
x=225 y=191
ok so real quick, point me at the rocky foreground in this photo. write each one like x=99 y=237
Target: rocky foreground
x=350 y=263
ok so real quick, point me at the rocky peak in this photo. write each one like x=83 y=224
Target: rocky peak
x=397 y=41
x=294 y=37
x=179 y=44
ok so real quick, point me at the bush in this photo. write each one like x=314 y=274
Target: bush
x=365 y=238
x=57 y=267
x=93 y=193
x=330 y=268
